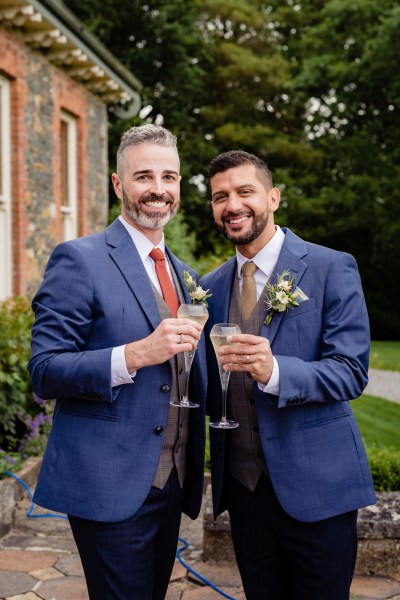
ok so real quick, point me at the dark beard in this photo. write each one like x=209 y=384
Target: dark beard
x=259 y=224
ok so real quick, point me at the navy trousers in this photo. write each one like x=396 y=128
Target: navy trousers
x=132 y=559
x=280 y=558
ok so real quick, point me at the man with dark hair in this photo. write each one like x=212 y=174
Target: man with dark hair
x=120 y=460
x=294 y=472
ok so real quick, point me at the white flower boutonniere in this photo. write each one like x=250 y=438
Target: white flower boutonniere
x=196 y=293
x=279 y=296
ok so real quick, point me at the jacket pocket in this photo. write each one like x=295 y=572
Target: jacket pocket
x=90 y=415
x=303 y=307
x=324 y=421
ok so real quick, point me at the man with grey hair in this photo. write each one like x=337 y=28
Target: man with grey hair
x=121 y=461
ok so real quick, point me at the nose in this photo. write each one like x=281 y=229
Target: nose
x=157 y=186
x=234 y=203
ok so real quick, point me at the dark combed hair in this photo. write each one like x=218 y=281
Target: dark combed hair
x=238 y=158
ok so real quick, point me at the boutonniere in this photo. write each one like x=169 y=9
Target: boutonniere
x=196 y=293
x=279 y=296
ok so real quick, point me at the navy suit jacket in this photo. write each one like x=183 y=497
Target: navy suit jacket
x=310 y=439
x=105 y=443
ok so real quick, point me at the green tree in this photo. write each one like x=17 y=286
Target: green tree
x=158 y=40
x=350 y=86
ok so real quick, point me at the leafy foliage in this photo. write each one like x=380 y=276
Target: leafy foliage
x=25 y=418
x=385 y=468
x=313 y=88
x=15 y=390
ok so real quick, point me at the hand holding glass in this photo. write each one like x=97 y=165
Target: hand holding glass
x=219 y=334
x=198 y=313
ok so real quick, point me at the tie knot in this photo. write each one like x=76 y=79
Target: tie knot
x=248 y=269
x=157 y=254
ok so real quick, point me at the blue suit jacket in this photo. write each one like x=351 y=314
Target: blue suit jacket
x=311 y=442
x=104 y=446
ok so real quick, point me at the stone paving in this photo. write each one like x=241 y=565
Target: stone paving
x=39 y=560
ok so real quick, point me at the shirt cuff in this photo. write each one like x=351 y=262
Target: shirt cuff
x=272 y=387
x=119 y=372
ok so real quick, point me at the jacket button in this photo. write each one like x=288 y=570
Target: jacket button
x=158 y=430
x=165 y=388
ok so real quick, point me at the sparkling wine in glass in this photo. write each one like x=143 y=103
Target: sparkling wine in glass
x=219 y=334
x=198 y=313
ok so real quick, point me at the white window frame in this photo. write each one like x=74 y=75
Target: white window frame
x=69 y=211
x=6 y=263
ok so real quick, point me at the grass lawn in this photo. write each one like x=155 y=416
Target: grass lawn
x=378 y=421
x=385 y=356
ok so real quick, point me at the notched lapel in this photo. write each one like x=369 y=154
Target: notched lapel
x=223 y=284
x=128 y=261
x=297 y=267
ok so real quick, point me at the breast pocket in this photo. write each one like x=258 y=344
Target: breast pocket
x=303 y=308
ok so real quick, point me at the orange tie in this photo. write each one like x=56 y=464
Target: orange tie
x=167 y=287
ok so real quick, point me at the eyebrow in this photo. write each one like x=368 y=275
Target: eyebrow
x=146 y=171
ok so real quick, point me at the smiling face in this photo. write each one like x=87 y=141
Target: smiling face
x=243 y=204
x=148 y=183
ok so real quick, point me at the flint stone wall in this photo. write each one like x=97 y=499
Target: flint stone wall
x=378 y=536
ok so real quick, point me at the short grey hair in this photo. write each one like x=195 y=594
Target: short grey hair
x=144 y=134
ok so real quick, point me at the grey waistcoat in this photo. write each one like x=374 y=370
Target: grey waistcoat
x=245 y=458
x=173 y=451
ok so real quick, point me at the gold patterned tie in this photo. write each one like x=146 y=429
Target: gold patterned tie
x=249 y=292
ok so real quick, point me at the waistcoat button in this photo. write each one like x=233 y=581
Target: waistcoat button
x=158 y=430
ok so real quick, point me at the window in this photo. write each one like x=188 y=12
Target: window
x=5 y=191
x=68 y=139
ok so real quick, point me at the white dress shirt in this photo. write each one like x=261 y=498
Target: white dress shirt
x=265 y=261
x=119 y=371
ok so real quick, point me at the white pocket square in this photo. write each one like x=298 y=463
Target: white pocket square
x=300 y=295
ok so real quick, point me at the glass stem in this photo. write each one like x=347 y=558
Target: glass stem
x=188 y=366
x=224 y=385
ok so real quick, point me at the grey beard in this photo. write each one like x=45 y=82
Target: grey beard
x=153 y=221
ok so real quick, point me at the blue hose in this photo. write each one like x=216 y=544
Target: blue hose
x=32 y=506
x=203 y=579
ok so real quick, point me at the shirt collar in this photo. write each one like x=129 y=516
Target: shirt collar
x=143 y=245
x=267 y=257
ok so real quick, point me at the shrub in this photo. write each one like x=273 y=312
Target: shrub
x=16 y=320
x=385 y=468
x=25 y=418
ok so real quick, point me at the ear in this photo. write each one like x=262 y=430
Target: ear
x=274 y=199
x=117 y=184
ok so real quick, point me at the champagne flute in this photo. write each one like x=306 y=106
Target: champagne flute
x=198 y=313
x=219 y=334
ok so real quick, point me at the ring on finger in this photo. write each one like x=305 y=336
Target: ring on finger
x=247 y=359
x=182 y=338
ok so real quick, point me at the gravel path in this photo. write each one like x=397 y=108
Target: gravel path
x=384 y=384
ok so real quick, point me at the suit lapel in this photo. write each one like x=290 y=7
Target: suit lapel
x=223 y=283
x=123 y=252
x=179 y=267
x=290 y=259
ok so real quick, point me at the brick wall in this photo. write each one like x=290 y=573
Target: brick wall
x=39 y=92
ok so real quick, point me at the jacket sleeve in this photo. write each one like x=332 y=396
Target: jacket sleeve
x=340 y=371
x=63 y=363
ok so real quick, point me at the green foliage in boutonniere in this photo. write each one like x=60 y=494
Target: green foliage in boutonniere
x=279 y=296
x=196 y=293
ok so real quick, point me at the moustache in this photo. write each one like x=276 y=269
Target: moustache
x=236 y=215
x=155 y=198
